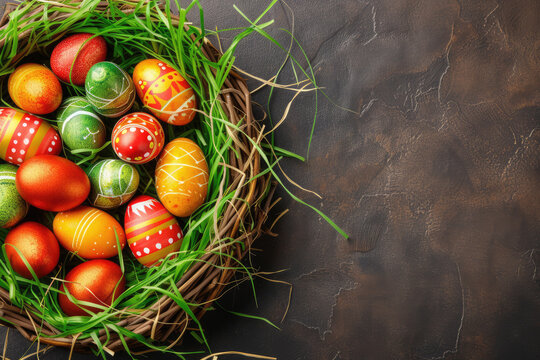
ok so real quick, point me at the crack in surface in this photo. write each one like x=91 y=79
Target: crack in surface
x=373 y=19
x=460 y=328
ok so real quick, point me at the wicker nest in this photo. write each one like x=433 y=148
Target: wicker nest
x=206 y=280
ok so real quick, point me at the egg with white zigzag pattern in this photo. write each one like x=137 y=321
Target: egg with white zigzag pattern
x=152 y=232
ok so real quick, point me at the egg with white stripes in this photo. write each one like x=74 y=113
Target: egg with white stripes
x=182 y=177
x=113 y=181
x=79 y=125
x=89 y=232
x=23 y=135
x=109 y=89
x=152 y=232
x=12 y=206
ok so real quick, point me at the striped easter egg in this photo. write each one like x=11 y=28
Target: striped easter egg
x=152 y=232
x=23 y=135
x=89 y=232
x=79 y=125
x=109 y=89
x=164 y=92
x=114 y=182
x=12 y=206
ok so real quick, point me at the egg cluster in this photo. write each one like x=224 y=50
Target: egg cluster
x=80 y=197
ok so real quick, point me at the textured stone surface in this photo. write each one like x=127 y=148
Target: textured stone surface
x=435 y=176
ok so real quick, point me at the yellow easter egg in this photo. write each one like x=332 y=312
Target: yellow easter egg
x=182 y=177
x=89 y=232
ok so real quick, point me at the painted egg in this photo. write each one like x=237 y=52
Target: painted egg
x=23 y=135
x=152 y=232
x=109 y=89
x=36 y=244
x=164 y=92
x=114 y=182
x=77 y=54
x=182 y=177
x=96 y=281
x=52 y=183
x=89 y=231
x=79 y=125
x=138 y=138
x=13 y=208
x=35 y=89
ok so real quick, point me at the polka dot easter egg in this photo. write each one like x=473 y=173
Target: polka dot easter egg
x=35 y=89
x=79 y=125
x=114 y=182
x=89 y=231
x=164 y=92
x=138 y=138
x=23 y=135
x=152 y=232
x=109 y=89
x=13 y=208
x=182 y=177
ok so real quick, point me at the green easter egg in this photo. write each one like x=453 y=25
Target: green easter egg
x=114 y=182
x=13 y=208
x=79 y=125
x=109 y=89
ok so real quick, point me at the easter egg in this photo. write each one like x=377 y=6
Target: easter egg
x=77 y=54
x=35 y=89
x=138 y=138
x=12 y=206
x=182 y=177
x=89 y=231
x=79 y=125
x=36 y=244
x=96 y=281
x=114 y=182
x=109 y=89
x=23 y=135
x=152 y=232
x=52 y=183
x=164 y=92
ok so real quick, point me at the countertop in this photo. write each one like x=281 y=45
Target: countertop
x=426 y=152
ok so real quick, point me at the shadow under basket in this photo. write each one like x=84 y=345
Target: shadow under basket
x=241 y=220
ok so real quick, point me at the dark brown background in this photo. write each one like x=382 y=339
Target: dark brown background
x=436 y=178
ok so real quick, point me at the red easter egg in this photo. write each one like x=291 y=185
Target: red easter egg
x=38 y=246
x=96 y=281
x=151 y=231
x=52 y=183
x=73 y=52
x=138 y=138
x=164 y=92
x=34 y=88
x=24 y=135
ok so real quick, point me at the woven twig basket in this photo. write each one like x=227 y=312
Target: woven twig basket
x=206 y=280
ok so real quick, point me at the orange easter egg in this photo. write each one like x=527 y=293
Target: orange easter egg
x=95 y=281
x=164 y=92
x=34 y=88
x=52 y=183
x=89 y=232
x=182 y=177
x=38 y=246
